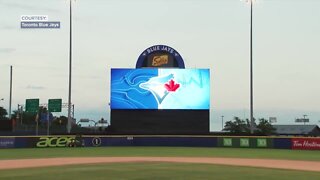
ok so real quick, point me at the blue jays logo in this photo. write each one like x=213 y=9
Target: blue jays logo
x=160 y=87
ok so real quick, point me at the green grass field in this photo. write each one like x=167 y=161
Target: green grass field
x=174 y=171
x=160 y=151
x=157 y=170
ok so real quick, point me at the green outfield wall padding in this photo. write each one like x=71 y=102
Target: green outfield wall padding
x=245 y=142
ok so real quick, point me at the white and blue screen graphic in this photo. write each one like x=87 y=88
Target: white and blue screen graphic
x=160 y=89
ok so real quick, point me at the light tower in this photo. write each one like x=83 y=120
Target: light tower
x=251 y=67
x=70 y=71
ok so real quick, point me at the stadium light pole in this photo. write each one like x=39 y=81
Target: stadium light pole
x=70 y=69
x=251 y=67
x=251 y=71
x=304 y=119
x=10 y=98
x=222 y=123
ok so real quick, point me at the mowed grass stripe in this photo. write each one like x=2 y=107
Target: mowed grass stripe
x=154 y=171
x=159 y=151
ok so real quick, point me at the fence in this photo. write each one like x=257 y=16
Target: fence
x=263 y=142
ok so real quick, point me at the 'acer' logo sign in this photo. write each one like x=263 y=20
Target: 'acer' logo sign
x=53 y=141
x=305 y=143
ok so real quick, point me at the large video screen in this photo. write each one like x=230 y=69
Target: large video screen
x=160 y=89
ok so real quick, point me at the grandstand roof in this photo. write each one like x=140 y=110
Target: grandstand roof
x=297 y=129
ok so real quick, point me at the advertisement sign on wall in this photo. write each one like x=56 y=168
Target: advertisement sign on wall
x=262 y=143
x=227 y=142
x=56 y=141
x=244 y=142
x=306 y=143
x=7 y=142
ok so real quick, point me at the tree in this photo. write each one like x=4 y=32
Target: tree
x=3 y=113
x=237 y=126
x=23 y=117
x=242 y=127
x=60 y=121
x=264 y=127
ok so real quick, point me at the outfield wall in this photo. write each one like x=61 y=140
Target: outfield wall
x=263 y=142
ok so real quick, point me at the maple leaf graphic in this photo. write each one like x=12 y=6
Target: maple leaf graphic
x=171 y=86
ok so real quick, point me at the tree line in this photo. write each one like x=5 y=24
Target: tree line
x=23 y=117
x=239 y=126
x=236 y=126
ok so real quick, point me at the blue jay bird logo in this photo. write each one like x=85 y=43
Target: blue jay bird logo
x=160 y=86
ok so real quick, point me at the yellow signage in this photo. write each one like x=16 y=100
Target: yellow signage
x=160 y=60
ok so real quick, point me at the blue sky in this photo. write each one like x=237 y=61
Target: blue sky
x=207 y=33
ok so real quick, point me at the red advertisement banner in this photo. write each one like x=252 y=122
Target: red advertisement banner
x=306 y=143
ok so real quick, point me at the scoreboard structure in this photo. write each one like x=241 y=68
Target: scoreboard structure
x=160 y=96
